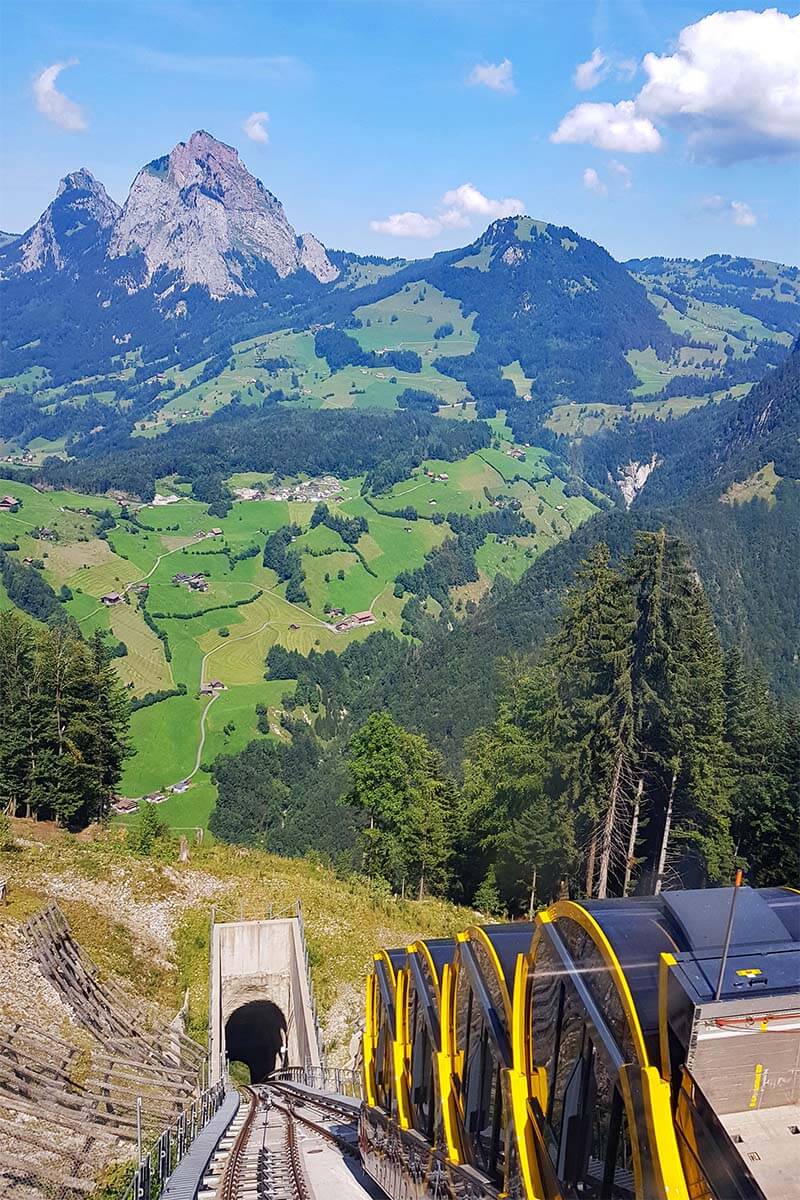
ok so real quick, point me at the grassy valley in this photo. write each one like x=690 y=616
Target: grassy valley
x=127 y=569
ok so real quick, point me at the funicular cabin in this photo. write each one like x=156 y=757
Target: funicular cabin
x=645 y=1048
x=380 y=1032
x=426 y=1076
x=478 y=1007
x=640 y=1084
x=593 y=1091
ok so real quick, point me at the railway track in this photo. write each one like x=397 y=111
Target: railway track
x=265 y=1155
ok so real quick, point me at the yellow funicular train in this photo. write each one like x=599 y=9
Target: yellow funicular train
x=637 y=1049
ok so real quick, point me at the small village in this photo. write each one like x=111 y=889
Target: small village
x=310 y=491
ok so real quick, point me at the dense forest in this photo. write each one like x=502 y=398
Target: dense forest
x=631 y=754
x=64 y=723
x=386 y=446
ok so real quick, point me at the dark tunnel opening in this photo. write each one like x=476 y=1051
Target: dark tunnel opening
x=256 y=1034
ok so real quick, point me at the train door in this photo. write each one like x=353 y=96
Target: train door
x=481 y=1089
x=423 y=1099
x=586 y=1120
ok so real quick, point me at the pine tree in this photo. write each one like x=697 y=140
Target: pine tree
x=512 y=822
x=677 y=677
x=591 y=663
x=65 y=721
x=763 y=762
x=487 y=897
x=16 y=672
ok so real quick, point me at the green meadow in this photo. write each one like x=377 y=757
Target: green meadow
x=225 y=632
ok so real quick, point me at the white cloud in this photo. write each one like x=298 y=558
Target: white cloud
x=256 y=127
x=457 y=209
x=733 y=85
x=626 y=179
x=497 y=76
x=407 y=224
x=53 y=104
x=597 y=68
x=736 y=212
x=743 y=213
x=276 y=68
x=593 y=183
x=616 y=127
x=454 y=218
x=467 y=200
x=588 y=74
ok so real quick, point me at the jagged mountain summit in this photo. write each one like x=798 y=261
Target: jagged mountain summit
x=195 y=216
x=75 y=227
x=199 y=212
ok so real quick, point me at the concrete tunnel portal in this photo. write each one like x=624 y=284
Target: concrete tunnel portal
x=256 y=1034
x=261 y=1009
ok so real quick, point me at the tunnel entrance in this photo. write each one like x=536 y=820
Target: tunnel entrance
x=256 y=1034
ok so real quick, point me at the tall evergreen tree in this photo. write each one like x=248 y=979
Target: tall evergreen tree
x=591 y=661
x=763 y=747
x=513 y=823
x=66 y=717
x=679 y=719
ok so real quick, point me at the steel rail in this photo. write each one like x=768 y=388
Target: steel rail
x=341 y=1143
x=229 y=1187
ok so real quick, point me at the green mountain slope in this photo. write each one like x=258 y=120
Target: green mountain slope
x=747 y=554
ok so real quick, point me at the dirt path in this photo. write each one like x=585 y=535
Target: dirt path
x=202 y=742
x=142 y=578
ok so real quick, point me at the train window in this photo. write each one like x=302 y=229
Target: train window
x=483 y=1104
x=590 y=1143
x=600 y=982
x=567 y=1055
x=610 y=1165
x=383 y=1066
x=422 y=1099
x=483 y=1108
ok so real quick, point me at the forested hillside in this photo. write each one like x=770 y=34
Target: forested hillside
x=629 y=753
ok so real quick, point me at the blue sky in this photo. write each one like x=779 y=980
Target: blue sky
x=652 y=126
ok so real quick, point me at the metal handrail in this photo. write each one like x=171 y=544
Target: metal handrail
x=157 y=1164
x=340 y=1081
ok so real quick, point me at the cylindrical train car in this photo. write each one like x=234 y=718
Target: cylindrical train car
x=425 y=1082
x=477 y=1032
x=380 y=1051
x=637 y=1049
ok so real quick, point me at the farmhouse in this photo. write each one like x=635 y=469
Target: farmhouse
x=8 y=503
x=181 y=787
x=110 y=598
x=124 y=804
x=355 y=621
x=217 y=532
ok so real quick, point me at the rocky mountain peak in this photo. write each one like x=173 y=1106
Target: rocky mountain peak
x=83 y=180
x=200 y=213
x=74 y=226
